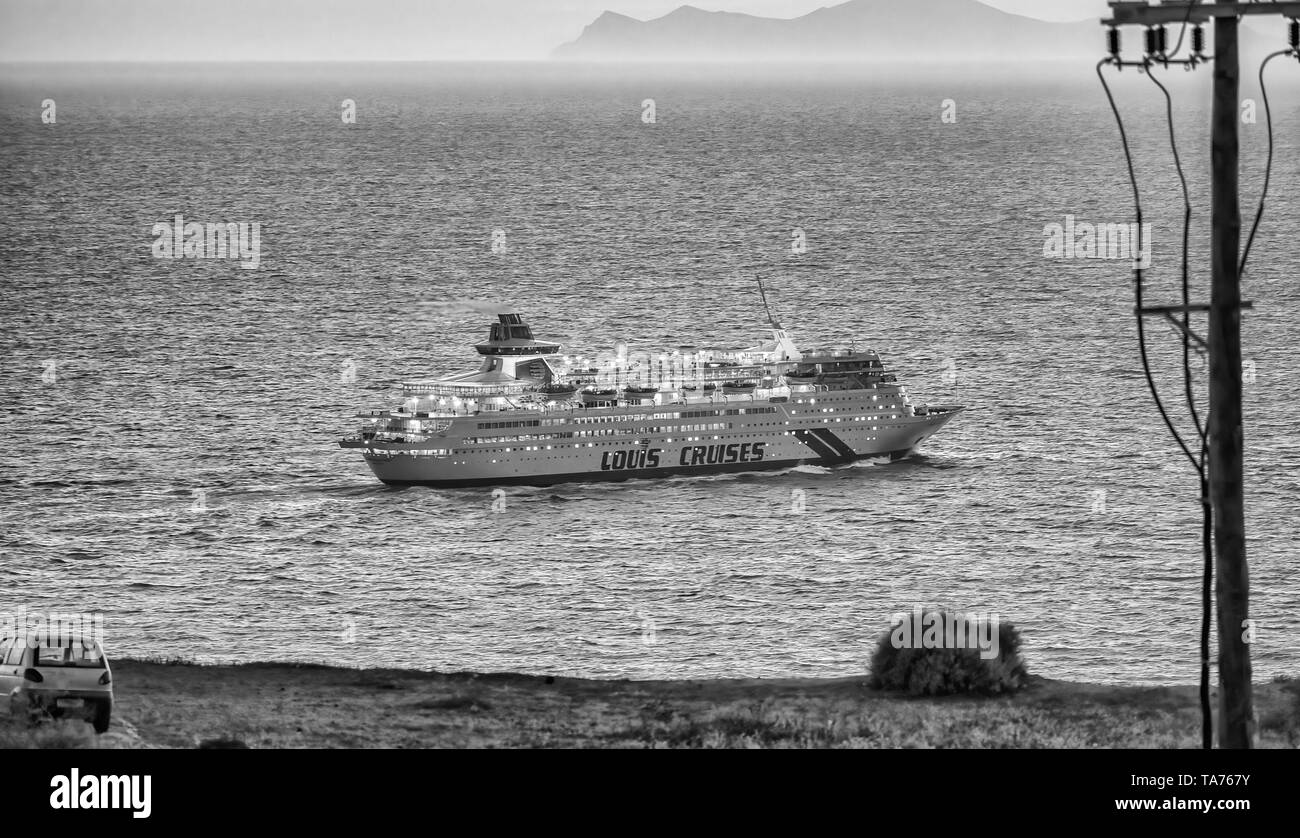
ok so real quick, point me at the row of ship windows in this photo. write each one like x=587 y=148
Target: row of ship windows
x=656 y=429
x=681 y=414
x=653 y=429
x=853 y=409
x=643 y=430
x=446 y=451
x=635 y=417
x=600 y=444
x=625 y=417
x=400 y=427
x=521 y=423
x=825 y=398
x=689 y=414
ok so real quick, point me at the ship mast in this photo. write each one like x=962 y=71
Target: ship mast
x=763 y=294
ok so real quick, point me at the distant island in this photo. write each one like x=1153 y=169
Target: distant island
x=919 y=31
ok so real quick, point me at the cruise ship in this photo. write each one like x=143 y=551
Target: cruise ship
x=532 y=416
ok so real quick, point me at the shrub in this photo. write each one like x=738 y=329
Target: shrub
x=945 y=670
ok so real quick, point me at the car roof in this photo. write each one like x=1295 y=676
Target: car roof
x=64 y=642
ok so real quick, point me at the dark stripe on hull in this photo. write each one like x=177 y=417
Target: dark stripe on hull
x=824 y=452
x=634 y=474
x=841 y=447
x=828 y=446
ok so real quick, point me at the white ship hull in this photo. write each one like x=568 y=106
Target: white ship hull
x=657 y=441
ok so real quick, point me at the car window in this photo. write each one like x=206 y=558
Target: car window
x=14 y=657
x=74 y=655
x=83 y=656
x=50 y=655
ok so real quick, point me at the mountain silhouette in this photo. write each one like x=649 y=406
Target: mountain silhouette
x=859 y=30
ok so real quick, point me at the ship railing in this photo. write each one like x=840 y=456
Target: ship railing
x=809 y=356
x=673 y=396
x=423 y=415
x=422 y=388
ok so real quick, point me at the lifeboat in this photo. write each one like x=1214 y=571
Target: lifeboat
x=634 y=393
x=593 y=395
x=557 y=392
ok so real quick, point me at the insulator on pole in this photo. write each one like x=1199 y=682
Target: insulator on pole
x=1152 y=43
x=1162 y=39
x=1295 y=33
x=1112 y=40
x=1198 y=39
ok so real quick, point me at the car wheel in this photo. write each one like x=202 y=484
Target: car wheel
x=102 y=715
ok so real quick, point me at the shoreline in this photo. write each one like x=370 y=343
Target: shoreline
x=161 y=704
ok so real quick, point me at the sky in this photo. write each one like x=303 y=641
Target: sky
x=356 y=30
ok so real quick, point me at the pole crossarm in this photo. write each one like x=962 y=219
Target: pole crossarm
x=1128 y=13
x=1168 y=313
x=1188 y=308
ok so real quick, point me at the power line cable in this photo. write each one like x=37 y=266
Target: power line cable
x=1268 y=167
x=1207 y=512
x=1137 y=271
x=1207 y=521
x=1183 y=30
x=1187 y=223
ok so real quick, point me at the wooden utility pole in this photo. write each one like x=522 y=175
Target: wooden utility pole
x=1225 y=442
x=1236 y=713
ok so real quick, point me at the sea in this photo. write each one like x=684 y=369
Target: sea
x=171 y=424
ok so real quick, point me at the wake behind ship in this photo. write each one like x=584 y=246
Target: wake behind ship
x=531 y=416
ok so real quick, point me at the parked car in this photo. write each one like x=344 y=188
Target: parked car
x=68 y=680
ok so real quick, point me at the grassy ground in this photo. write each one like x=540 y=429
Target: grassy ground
x=173 y=705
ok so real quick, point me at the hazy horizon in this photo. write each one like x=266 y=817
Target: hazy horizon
x=164 y=31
